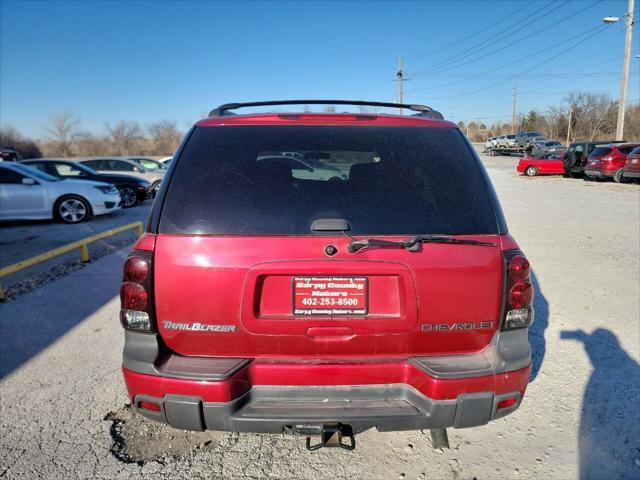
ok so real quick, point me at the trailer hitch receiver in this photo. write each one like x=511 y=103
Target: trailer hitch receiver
x=331 y=436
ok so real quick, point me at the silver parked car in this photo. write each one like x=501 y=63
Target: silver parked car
x=149 y=163
x=29 y=194
x=546 y=149
x=124 y=165
x=527 y=139
x=506 y=141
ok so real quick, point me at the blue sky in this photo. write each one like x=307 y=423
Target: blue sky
x=147 y=61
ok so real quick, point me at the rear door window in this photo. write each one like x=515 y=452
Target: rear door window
x=120 y=166
x=234 y=180
x=39 y=166
x=600 y=151
x=97 y=164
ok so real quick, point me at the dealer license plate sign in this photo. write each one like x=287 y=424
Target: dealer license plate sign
x=330 y=295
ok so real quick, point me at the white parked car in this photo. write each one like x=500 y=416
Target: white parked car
x=490 y=143
x=306 y=169
x=29 y=194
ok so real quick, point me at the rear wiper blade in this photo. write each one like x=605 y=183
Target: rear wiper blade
x=413 y=242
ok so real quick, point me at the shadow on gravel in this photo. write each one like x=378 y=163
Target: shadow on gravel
x=32 y=322
x=609 y=434
x=537 y=329
x=139 y=440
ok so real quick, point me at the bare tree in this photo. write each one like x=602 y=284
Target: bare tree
x=88 y=145
x=557 y=122
x=126 y=137
x=62 y=130
x=165 y=137
x=593 y=115
x=330 y=109
x=632 y=122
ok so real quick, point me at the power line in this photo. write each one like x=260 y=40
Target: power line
x=543 y=50
x=538 y=52
x=602 y=61
x=473 y=35
x=519 y=40
x=488 y=42
x=600 y=30
x=531 y=75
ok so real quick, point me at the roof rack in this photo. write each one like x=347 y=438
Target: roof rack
x=224 y=109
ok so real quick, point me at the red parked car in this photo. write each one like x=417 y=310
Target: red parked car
x=264 y=299
x=631 y=169
x=531 y=167
x=607 y=161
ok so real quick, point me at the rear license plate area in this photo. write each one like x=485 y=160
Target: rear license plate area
x=330 y=296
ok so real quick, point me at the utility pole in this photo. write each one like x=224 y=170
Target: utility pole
x=625 y=73
x=399 y=78
x=514 y=93
x=569 y=126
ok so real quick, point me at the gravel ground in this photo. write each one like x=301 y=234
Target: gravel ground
x=63 y=408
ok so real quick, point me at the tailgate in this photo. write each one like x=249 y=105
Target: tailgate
x=241 y=293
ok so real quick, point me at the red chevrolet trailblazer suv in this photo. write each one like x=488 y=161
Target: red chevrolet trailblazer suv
x=270 y=296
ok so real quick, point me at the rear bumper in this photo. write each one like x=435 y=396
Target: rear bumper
x=599 y=173
x=278 y=409
x=270 y=396
x=631 y=173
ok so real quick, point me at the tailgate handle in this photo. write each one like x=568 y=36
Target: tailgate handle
x=329 y=331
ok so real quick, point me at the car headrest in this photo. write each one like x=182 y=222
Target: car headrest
x=365 y=173
x=272 y=172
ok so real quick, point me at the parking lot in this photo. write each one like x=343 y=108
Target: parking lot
x=63 y=402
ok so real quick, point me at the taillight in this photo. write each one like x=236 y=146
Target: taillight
x=136 y=269
x=136 y=300
x=518 y=312
x=519 y=268
x=133 y=296
x=521 y=295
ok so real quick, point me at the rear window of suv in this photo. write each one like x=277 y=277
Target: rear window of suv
x=234 y=180
x=600 y=151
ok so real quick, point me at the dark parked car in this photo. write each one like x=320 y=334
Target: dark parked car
x=9 y=155
x=263 y=298
x=546 y=149
x=132 y=189
x=124 y=166
x=575 y=158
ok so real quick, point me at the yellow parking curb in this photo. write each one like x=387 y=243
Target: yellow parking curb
x=82 y=245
